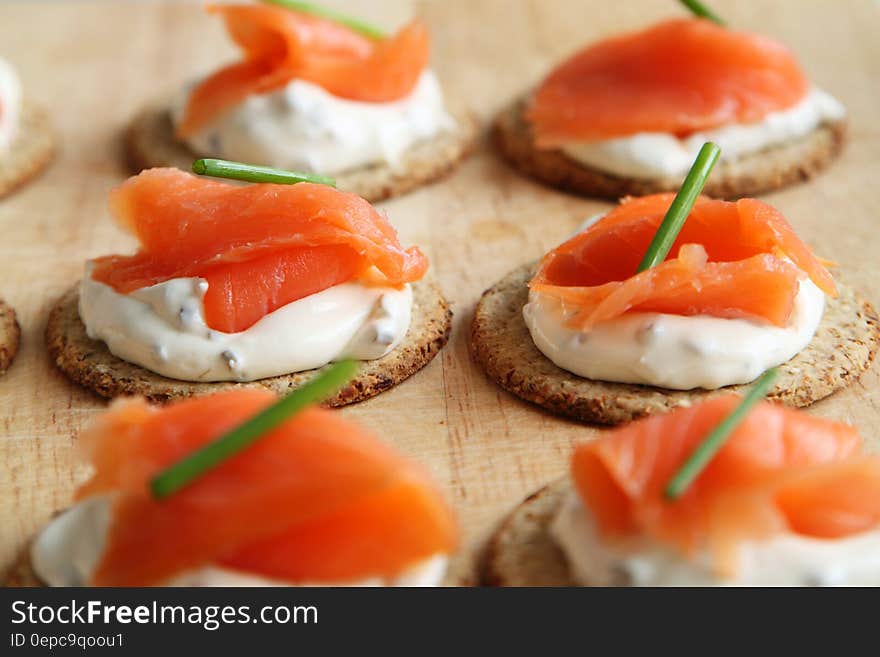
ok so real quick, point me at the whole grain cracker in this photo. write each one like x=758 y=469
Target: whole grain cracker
x=150 y=142
x=792 y=162
x=521 y=551
x=30 y=151
x=843 y=347
x=22 y=574
x=89 y=363
x=10 y=336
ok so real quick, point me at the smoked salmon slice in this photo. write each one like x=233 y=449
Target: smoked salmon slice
x=259 y=246
x=780 y=471
x=815 y=504
x=731 y=259
x=316 y=500
x=679 y=76
x=281 y=45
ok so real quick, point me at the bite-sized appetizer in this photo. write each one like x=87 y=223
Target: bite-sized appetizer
x=10 y=334
x=743 y=294
x=593 y=333
x=789 y=499
x=26 y=140
x=317 y=500
x=627 y=115
x=312 y=93
x=245 y=283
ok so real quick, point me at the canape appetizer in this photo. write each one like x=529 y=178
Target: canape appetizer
x=260 y=283
x=313 y=93
x=312 y=500
x=628 y=114
x=26 y=141
x=10 y=334
x=594 y=333
x=788 y=499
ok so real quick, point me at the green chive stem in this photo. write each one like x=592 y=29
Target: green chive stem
x=706 y=450
x=255 y=174
x=185 y=471
x=681 y=206
x=701 y=10
x=324 y=12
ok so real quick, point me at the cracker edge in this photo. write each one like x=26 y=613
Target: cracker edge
x=10 y=336
x=606 y=407
x=424 y=163
x=31 y=152
x=521 y=551
x=435 y=324
x=794 y=162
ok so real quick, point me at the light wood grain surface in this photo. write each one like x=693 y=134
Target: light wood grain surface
x=94 y=63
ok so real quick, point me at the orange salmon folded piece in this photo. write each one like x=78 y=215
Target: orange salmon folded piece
x=729 y=260
x=780 y=471
x=281 y=45
x=316 y=500
x=816 y=503
x=259 y=246
x=679 y=76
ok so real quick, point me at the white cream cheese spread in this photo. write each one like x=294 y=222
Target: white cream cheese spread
x=672 y=351
x=10 y=105
x=785 y=559
x=162 y=328
x=661 y=155
x=303 y=127
x=67 y=550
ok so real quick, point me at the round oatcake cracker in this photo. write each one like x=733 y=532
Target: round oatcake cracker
x=10 y=335
x=794 y=161
x=22 y=573
x=843 y=347
x=150 y=142
x=522 y=551
x=30 y=152
x=89 y=362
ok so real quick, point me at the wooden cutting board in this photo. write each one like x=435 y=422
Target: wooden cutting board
x=94 y=63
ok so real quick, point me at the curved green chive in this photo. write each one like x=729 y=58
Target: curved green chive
x=187 y=470
x=681 y=206
x=705 y=452
x=323 y=12
x=701 y=10
x=252 y=173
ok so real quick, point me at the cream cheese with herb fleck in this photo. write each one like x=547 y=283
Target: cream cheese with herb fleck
x=784 y=559
x=672 y=351
x=162 y=328
x=305 y=128
x=661 y=155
